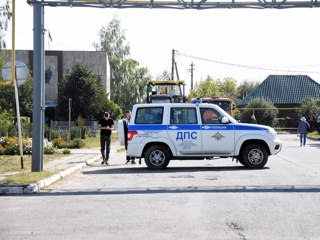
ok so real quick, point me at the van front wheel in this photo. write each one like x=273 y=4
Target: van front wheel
x=254 y=156
x=157 y=157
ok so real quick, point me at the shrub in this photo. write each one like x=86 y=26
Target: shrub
x=5 y=122
x=77 y=143
x=61 y=143
x=66 y=151
x=11 y=146
x=26 y=129
x=48 y=147
x=27 y=145
x=49 y=150
x=2 y=150
x=265 y=112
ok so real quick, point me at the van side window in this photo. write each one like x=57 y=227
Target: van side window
x=210 y=116
x=183 y=116
x=149 y=115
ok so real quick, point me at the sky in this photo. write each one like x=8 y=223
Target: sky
x=245 y=44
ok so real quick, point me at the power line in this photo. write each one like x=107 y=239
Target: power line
x=241 y=65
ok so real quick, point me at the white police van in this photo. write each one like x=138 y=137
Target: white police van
x=161 y=132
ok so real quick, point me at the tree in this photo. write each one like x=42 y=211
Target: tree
x=207 y=88
x=5 y=16
x=87 y=94
x=25 y=98
x=215 y=88
x=245 y=88
x=142 y=77
x=133 y=84
x=310 y=106
x=164 y=76
x=113 y=108
x=228 y=88
x=112 y=40
x=263 y=110
x=8 y=102
x=128 y=81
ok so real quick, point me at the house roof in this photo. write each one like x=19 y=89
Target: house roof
x=284 y=89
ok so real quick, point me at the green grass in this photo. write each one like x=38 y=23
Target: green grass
x=94 y=142
x=25 y=178
x=314 y=134
x=10 y=163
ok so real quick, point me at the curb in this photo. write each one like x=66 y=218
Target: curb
x=35 y=187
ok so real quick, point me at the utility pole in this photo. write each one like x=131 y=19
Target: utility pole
x=191 y=70
x=173 y=64
x=177 y=73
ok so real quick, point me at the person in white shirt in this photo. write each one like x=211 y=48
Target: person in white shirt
x=126 y=120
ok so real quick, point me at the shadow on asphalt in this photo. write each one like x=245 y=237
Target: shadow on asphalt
x=145 y=170
x=314 y=145
x=188 y=189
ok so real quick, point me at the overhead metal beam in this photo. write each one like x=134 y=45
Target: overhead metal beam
x=180 y=4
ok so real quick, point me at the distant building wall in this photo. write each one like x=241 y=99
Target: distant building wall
x=97 y=61
x=57 y=63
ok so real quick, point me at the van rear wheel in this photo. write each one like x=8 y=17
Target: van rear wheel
x=254 y=156
x=242 y=162
x=157 y=157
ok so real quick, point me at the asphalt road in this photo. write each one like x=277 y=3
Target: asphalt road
x=216 y=199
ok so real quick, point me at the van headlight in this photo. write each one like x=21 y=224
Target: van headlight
x=272 y=132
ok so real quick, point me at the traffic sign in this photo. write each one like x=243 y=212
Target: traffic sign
x=22 y=72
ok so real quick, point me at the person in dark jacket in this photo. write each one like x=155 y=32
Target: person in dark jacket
x=318 y=124
x=303 y=130
x=105 y=125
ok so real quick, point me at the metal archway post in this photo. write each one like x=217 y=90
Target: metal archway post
x=38 y=88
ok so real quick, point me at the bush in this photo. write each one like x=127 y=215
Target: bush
x=61 y=143
x=2 y=150
x=49 y=150
x=5 y=122
x=264 y=111
x=77 y=143
x=309 y=105
x=10 y=145
x=66 y=151
x=48 y=147
x=26 y=129
x=58 y=142
x=27 y=145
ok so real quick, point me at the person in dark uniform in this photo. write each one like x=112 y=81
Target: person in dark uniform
x=105 y=125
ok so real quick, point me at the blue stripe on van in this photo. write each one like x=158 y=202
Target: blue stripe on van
x=176 y=127
x=148 y=127
x=248 y=128
x=184 y=127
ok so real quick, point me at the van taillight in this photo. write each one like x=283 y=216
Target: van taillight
x=131 y=134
